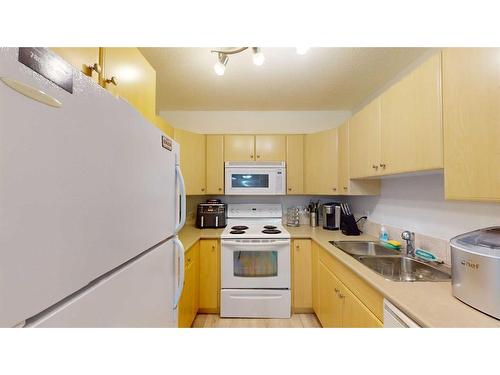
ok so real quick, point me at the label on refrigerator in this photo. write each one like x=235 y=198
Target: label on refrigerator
x=49 y=65
x=166 y=143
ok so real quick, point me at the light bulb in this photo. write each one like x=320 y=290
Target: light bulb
x=219 y=68
x=258 y=56
x=302 y=50
x=220 y=65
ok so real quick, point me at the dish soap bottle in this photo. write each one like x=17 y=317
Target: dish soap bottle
x=383 y=235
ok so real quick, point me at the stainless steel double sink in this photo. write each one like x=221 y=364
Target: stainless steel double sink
x=391 y=264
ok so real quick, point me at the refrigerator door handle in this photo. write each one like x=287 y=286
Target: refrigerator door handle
x=182 y=192
x=180 y=286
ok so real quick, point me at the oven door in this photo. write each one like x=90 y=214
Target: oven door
x=255 y=264
x=254 y=181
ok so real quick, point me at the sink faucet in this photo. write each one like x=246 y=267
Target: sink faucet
x=409 y=237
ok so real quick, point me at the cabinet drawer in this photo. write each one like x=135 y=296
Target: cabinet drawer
x=361 y=289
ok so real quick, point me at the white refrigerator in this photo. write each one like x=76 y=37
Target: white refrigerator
x=91 y=200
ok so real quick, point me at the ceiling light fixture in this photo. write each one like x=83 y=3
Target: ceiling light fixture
x=220 y=65
x=223 y=57
x=302 y=50
x=258 y=56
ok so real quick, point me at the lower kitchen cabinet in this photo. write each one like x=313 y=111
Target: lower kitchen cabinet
x=302 y=276
x=341 y=298
x=315 y=275
x=188 y=304
x=209 y=282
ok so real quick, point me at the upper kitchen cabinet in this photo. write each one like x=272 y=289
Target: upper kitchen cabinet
x=164 y=126
x=193 y=153
x=321 y=163
x=85 y=59
x=364 y=141
x=255 y=147
x=346 y=185
x=215 y=164
x=127 y=73
x=239 y=148
x=411 y=121
x=471 y=117
x=270 y=147
x=295 y=164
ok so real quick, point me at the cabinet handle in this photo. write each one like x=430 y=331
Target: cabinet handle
x=93 y=68
x=337 y=290
x=220 y=189
x=289 y=189
x=202 y=189
x=375 y=166
x=334 y=189
x=341 y=295
x=112 y=80
x=213 y=247
x=258 y=156
x=251 y=156
x=297 y=247
x=345 y=187
x=382 y=165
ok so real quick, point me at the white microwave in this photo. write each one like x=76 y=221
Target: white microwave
x=255 y=178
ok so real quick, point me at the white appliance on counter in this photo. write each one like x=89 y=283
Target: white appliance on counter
x=395 y=318
x=255 y=263
x=91 y=199
x=255 y=178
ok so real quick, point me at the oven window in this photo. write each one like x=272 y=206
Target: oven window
x=249 y=180
x=255 y=263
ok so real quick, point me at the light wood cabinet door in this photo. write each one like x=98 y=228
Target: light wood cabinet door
x=411 y=121
x=295 y=164
x=471 y=115
x=135 y=79
x=321 y=163
x=315 y=276
x=330 y=305
x=270 y=147
x=193 y=151
x=81 y=58
x=344 y=158
x=346 y=185
x=301 y=275
x=164 y=126
x=215 y=164
x=364 y=141
x=209 y=276
x=188 y=304
x=355 y=314
x=239 y=148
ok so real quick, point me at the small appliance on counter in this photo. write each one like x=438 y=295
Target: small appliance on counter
x=475 y=269
x=331 y=216
x=348 y=224
x=211 y=214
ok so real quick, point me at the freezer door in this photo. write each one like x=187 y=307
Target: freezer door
x=83 y=188
x=140 y=294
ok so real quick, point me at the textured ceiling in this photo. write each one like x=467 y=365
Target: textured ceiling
x=323 y=79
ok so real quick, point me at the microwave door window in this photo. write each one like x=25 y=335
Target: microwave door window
x=255 y=263
x=249 y=180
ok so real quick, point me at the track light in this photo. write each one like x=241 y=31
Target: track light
x=258 y=56
x=302 y=50
x=220 y=65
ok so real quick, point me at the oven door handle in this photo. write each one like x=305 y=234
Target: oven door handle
x=255 y=244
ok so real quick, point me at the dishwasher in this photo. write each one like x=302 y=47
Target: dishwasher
x=395 y=318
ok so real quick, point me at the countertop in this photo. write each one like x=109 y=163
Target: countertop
x=430 y=304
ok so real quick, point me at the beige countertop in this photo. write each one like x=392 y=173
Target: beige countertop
x=430 y=304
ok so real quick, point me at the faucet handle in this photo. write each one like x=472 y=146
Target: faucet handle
x=407 y=235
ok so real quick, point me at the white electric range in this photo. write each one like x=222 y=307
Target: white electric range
x=255 y=263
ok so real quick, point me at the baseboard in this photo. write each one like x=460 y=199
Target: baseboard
x=209 y=311
x=302 y=310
